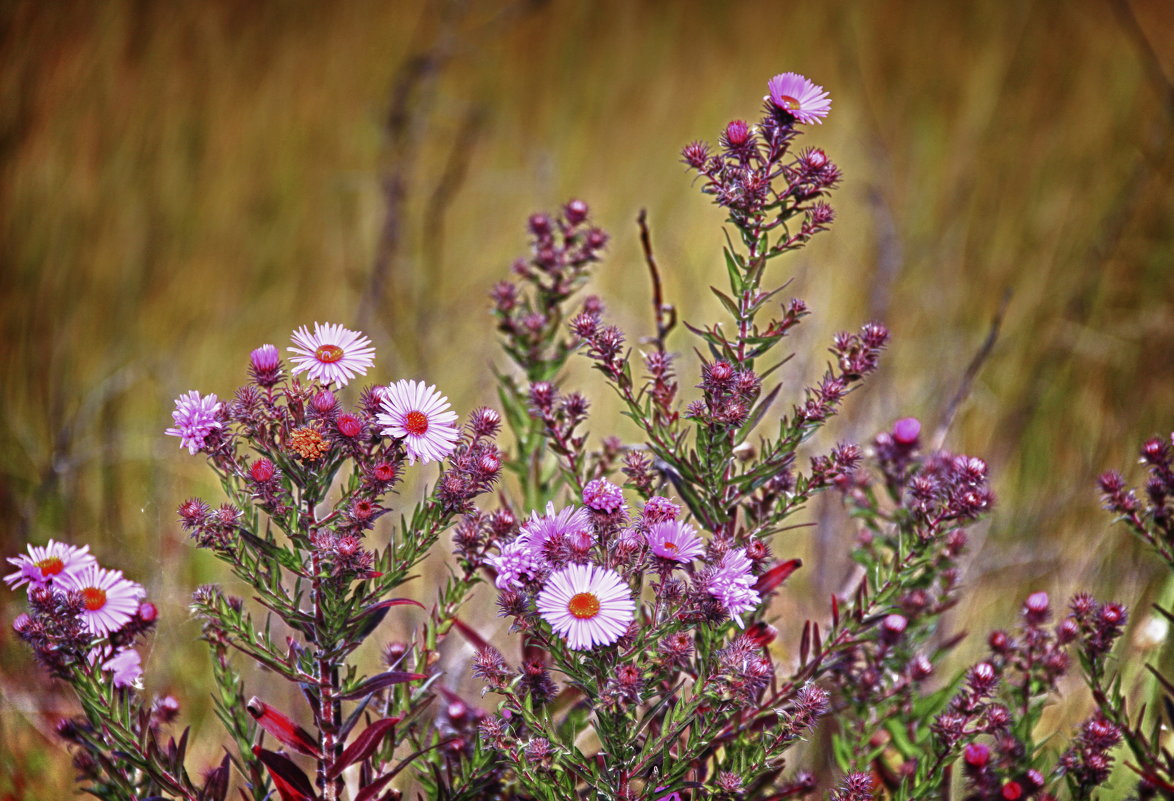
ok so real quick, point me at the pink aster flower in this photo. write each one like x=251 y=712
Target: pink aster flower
x=515 y=561
x=658 y=510
x=805 y=101
x=195 y=418
x=587 y=605
x=110 y=599
x=732 y=585
x=571 y=524
x=674 y=540
x=603 y=496
x=332 y=354
x=47 y=564
x=421 y=417
x=127 y=667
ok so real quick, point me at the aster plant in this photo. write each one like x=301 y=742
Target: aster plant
x=306 y=479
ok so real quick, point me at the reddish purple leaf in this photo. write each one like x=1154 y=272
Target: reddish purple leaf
x=776 y=576
x=475 y=639
x=382 y=681
x=281 y=727
x=364 y=745
x=291 y=782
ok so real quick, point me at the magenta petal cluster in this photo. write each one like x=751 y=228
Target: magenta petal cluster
x=109 y=599
x=127 y=667
x=601 y=495
x=332 y=354
x=805 y=101
x=515 y=561
x=674 y=540
x=195 y=418
x=421 y=417
x=571 y=524
x=47 y=564
x=732 y=585
x=587 y=605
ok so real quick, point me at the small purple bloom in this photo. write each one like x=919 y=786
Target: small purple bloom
x=48 y=563
x=732 y=585
x=601 y=495
x=515 y=561
x=572 y=524
x=674 y=540
x=659 y=510
x=906 y=431
x=805 y=101
x=266 y=365
x=195 y=418
x=127 y=667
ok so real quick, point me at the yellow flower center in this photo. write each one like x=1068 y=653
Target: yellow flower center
x=583 y=606
x=328 y=354
x=416 y=423
x=51 y=566
x=94 y=598
x=790 y=102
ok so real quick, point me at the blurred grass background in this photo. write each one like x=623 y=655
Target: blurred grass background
x=182 y=182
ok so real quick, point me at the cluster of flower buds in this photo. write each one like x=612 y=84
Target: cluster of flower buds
x=1152 y=520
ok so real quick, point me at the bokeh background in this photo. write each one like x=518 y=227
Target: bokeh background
x=180 y=183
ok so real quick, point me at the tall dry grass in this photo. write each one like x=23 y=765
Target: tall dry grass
x=182 y=182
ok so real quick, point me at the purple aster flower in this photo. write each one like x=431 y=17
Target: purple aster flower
x=127 y=667
x=332 y=354
x=109 y=599
x=587 y=605
x=515 y=560
x=658 y=510
x=674 y=540
x=195 y=418
x=46 y=564
x=421 y=417
x=265 y=365
x=572 y=524
x=805 y=101
x=601 y=495
x=732 y=585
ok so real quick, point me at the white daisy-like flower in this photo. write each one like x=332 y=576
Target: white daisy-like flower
x=807 y=102
x=111 y=600
x=332 y=354
x=421 y=417
x=47 y=564
x=674 y=540
x=587 y=605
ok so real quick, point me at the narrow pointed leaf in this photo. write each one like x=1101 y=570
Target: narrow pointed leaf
x=281 y=727
x=467 y=631
x=291 y=782
x=380 y=682
x=772 y=578
x=364 y=745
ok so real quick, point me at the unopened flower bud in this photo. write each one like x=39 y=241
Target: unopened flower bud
x=575 y=211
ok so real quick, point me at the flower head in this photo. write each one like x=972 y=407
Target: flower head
x=572 y=525
x=674 y=540
x=195 y=418
x=109 y=599
x=603 y=496
x=732 y=584
x=332 y=354
x=587 y=605
x=515 y=560
x=127 y=667
x=420 y=416
x=805 y=101
x=265 y=365
x=47 y=564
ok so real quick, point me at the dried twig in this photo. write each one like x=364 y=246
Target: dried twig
x=664 y=313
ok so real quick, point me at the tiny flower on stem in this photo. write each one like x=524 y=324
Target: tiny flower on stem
x=332 y=354
x=805 y=101
x=421 y=417
x=195 y=418
x=46 y=564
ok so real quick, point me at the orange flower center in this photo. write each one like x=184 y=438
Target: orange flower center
x=51 y=565
x=416 y=423
x=328 y=354
x=790 y=102
x=583 y=606
x=94 y=598
x=669 y=546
